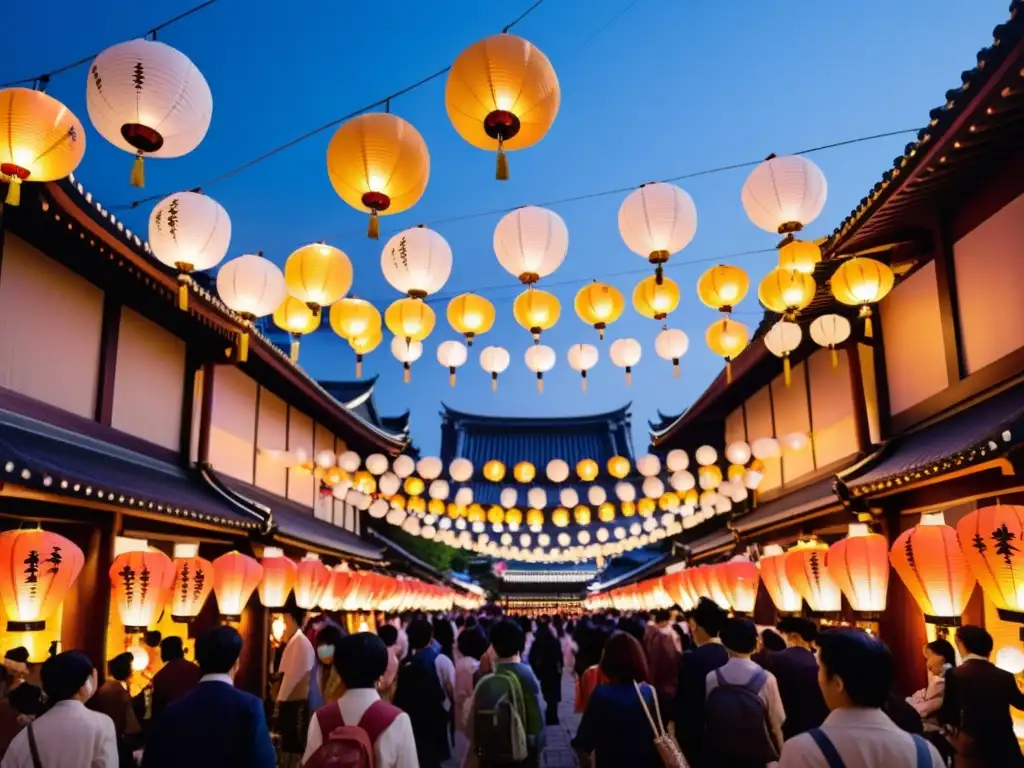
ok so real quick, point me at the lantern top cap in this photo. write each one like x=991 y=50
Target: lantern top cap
x=933 y=518
x=273 y=552
x=771 y=550
x=858 y=530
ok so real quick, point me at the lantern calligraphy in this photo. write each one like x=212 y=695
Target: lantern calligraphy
x=808 y=575
x=37 y=568
x=140 y=582
x=193 y=581
x=989 y=537
x=416 y=262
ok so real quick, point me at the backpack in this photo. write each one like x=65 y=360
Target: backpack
x=350 y=746
x=499 y=715
x=737 y=720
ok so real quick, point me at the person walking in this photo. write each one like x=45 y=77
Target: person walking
x=386 y=685
x=471 y=645
x=177 y=677
x=113 y=700
x=295 y=673
x=326 y=683
x=796 y=670
x=706 y=621
x=662 y=657
x=215 y=724
x=421 y=694
x=546 y=661
x=855 y=674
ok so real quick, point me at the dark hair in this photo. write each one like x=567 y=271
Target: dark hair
x=976 y=640
x=26 y=699
x=153 y=638
x=388 y=633
x=361 y=659
x=420 y=633
x=445 y=636
x=472 y=643
x=862 y=662
x=171 y=648
x=296 y=614
x=632 y=627
x=944 y=649
x=19 y=654
x=798 y=625
x=709 y=616
x=772 y=640
x=329 y=635
x=64 y=674
x=661 y=615
x=739 y=635
x=218 y=649
x=508 y=638
x=623 y=660
x=120 y=667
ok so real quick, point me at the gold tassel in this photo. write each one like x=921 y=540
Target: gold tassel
x=629 y=378
x=584 y=377
x=867 y=325
x=407 y=375
x=675 y=368
x=494 y=382
x=13 y=191
x=243 y=347
x=138 y=178
x=451 y=377
x=835 y=358
x=359 y=366
x=728 y=371
x=502 y=172
x=295 y=351
x=785 y=370
x=374 y=229
x=540 y=383
x=600 y=333
x=183 y=293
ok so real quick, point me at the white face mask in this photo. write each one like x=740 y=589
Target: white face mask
x=325 y=652
x=90 y=687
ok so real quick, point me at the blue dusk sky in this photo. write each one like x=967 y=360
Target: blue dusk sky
x=650 y=89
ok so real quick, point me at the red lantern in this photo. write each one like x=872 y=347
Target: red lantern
x=990 y=538
x=278 y=578
x=140 y=583
x=338 y=588
x=235 y=577
x=713 y=585
x=739 y=579
x=311 y=580
x=859 y=565
x=808 y=574
x=773 y=572
x=929 y=561
x=193 y=581
x=37 y=568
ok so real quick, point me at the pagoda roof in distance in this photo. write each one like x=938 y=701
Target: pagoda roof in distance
x=357 y=396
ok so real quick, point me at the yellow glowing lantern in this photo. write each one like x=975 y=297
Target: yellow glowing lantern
x=710 y=477
x=436 y=507
x=627 y=508
x=536 y=311
x=723 y=287
x=524 y=472
x=496 y=515
x=364 y=345
x=494 y=471
x=378 y=163
x=645 y=507
x=618 y=467
x=587 y=470
x=502 y=93
x=798 y=255
x=41 y=140
x=606 y=512
x=691 y=497
x=475 y=514
x=581 y=514
x=668 y=501
x=336 y=476
x=560 y=516
x=736 y=472
x=454 y=511
x=353 y=318
x=534 y=518
x=417 y=505
x=470 y=315
x=513 y=516
x=599 y=304
x=318 y=274
x=398 y=501
x=727 y=338
x=295 y=318
x=410 y=319
x=786 y=292
x=413 y=485
x=861 y=282
x=654 y=299
x=364 y=482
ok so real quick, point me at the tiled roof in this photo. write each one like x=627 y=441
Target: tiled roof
x=638 y=564
x=713 y=540
x=357 y=396
x=817 y=495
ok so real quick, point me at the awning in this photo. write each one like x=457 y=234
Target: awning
x=811 y=498
x=295 y=521
x=58 y=461
x=710 y=542
x=426 y=570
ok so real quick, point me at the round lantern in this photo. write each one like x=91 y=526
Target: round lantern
x=41 y=141
x=190 y=232
x=599 y=304
x=502 y=94
x=235 y=577
x=654 y=299
x=772 y=566
x=278 y=578
x=581 y=514
x=460 y=470
x=625 y=353
x=439 y=489
x=406 y=352
x=417 y=262
x=653 y=488
x=739 y=580
x=706 y=455
x=339 y=586
x=452 y=355
x=531 y=243
x=429 y=467
x=536 y=311
x=657 y=220
x=193 y=581
x=794 y=442
x=140 y=584
x=785 y=292
x=799 y=255
x=353 y=318
x=682 y=481
x=376 y=463
x=378 y=163
x=557 y=471
x=766 y=448
x=861 y=282
x=808 y=575
x=582 y=357
x=727 y=338
x=781 y=339
x=540 y=359
x=494 y=360
x=364 y=345
x=508 y=496
x=296 y=319
x=723 y=287
x=560 y=517
x=929 y=560
x=494 y=471
x=534 y=518
x=859 y=564
x=989 y=537
x=318 y=274
x=37 y=568
x=149 y=99
x=404 y=465
x=410 y=319
x=253 y=287
x=586 y=470
x=470 y=315
x=524 y=472
x=648 y=465
x=618 y=467
x=784 y=194
x=830 y=331
x=671 y=344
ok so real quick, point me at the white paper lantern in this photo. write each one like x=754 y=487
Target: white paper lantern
x=649 y=524
x=377 y=463
x=737 y=452
x=1010 y=659
x=682 y=481
x=766 y=448
x=781 y=339
x=438 y=489
x=794 y=442
x=148 y=98
x=411 y=525
x=596 y=495
x=568 y=498
x=676 y=460
x=251 y=285
x=830 y=331
x=557 y=471
x=389 y=483
x=190 y=232
x=396 y=516
x=739 y=494
x=452 y=355
x=582 y=357
x=537 y=498
x=324 y=459
x=429 y=467
x=625 y=353
x=362 y=501
x=403 y=466
x=406 y=352
x=531 y=243
x=706 y=455
x=379 y=509
x=509 y=497
x=583 y=537
x=464 y=497
x=540 y=359
x=752 y=478
x=417 y=262
x=494 y=360
x=784 y=194
x=300 y=456
x=460 y=470
x=648 y=465
x=671 y=344
x=564 y=540
x=657 y=220
x=653 y=487
x=349 y=461
x=625 y=491
x=445 y=524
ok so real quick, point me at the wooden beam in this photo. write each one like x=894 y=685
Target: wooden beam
x=885 y=421
x=110 y=330
x=860 y=401
x=193 y=364
x=209 y=371
x=949 y=302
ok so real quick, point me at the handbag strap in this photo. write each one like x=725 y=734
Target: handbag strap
x=34 y=748
x=828 y=749
x=643 y=703
x=921 y=752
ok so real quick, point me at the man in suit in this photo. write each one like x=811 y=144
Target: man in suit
x=214 y=725
x=796 y=669
x=706 y=621
x=976 y=705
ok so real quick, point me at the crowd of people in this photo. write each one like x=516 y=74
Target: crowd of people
x=663 y=689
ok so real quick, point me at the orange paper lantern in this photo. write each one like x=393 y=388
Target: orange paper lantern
x=773 y=572
x=716 y=589
x=193 y=581
x=37 y=568
x=278 y=578
x=859 y=564
x=990 y=538
x=338 y=586
x=738 y=579
x=311 y=578
x=140 y=582
x=808 y=575
x=235 y=578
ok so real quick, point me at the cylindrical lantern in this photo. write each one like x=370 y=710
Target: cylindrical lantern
x=536 y=311
x=727 y=338
x=989 y=537
x=470 y=315
x=297 y=320
x=37 y=568
x=722 y=287
x=784 y=194
x=540 y=359
x=830 y=331
x=417 y=262
x=808 y=575
x=656 y=299
x=859 y=564
x=625 y=353
x=338 y=587
x=452 y=355
x=782 y=339
x=861 y=282
x=599 y=304
x=193 y=581
x=318 y=275
x=582 y=357
x=495 y=360
x=671 y=344
x=140 y=582
x=235 y=578
x=278 y=578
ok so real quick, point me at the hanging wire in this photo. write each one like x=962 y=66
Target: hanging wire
x=45 y=77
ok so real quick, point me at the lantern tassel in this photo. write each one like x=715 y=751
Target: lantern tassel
x=243 y=347
x=786 y=373
x=728 y=371
x=867 y=326
x=675 y=368
x=584 y=378
x=835 y=358
x=494 y=382
x=451 y=377
x=138 y=178
x=629 y=377
x=294 y=351
x=407 y=373
x=359 y=366
x=540 y=383
x=373 y=231
x=13 y=191
x=502 y=172
x=183 y=294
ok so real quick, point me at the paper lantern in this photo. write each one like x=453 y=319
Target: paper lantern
x=625 y=353
x=625 y=492
x=682 y=481
x=190 y=232
x=808 y=575
x=534 y=516
x=536 y=311
x=618 y=467
x=406 y=352
x=429 y=467
x=671 y=344
x=709 y=477
x=859 y=564
x=581 y=514
x=656 y=300
x=37 y=568
x=349 y=461
x=540 y=359
x=648 y=465
x=785 y=292
x=830 y=331
x=353 y=318
x=502 y=94
x=737 y=452
x=727 y=338
x=586 y=470
x=278 y=578
x=766 y=448
x=799 y=255
x=706 y=580
x=723 y=287
x=409 y=319
x=494 y=471
x=784 y=194
x=513 y=516
x=596 y=495
x=253 y=287
x=990 y=540
x=739 y=579
x=781 y=339
x=364 y=345
x=452 y=355
x=149 y=99
x=599 y=304
x=388 y=483
x=193 y=582
x=439 y=489
x=41 y=141
x=470 y=315
x=378 y=163
x=560 y=517
x=653 y=488
x=582 y=357
x=140 y=582
x=296 y=319
x=531 y=243
x=413 y=486
x=403 y=465
x=861 y=282
x=460 y=470
x=524 y=472
x=557 y=471
x=339 y=586
x=772 y=567
x=235 y=577
x=656 y=221
x=318 y=274
x=417 y=262
x=377 y=463
x=362 y=483
x=794 y=442
x=508 y=497
x=706 y=455
x=494 y=360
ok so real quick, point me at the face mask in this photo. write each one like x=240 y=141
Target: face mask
x=325 y=652
x=90 y=687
